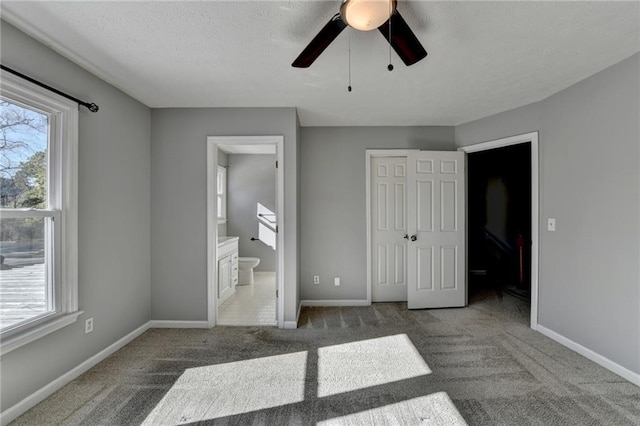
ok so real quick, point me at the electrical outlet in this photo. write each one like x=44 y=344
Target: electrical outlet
x=88 y=325
x=316 y=279
x=336 y=281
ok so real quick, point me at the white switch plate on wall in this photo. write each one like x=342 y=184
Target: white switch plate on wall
x=551 y=224
x=336 y=281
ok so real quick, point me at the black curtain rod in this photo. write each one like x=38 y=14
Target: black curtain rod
x=90 y=106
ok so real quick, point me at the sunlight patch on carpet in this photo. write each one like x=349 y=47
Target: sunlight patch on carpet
x=221 y=390
x=366 y=363
x=434 y=410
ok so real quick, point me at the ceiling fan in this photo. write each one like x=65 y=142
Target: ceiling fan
x=366 y=15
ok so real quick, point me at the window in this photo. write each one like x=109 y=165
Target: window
x=222 y=194
x=38 y=212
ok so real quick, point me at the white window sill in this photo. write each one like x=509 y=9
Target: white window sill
x=221 y=220
x=35 y=333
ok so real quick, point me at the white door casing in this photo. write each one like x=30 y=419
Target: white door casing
x=436 y=261
x=212 y=221
x=531 y=138
x=388 y=220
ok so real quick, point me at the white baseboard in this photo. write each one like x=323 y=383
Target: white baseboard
x=21 y=407
x=178 y=324
x=292 y=325
x=593 y=356
x=357 y=302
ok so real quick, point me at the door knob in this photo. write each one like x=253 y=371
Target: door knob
x=406 y=236
x=414 y=237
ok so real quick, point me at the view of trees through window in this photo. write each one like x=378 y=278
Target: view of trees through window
x=23 y=144
x=23 y=185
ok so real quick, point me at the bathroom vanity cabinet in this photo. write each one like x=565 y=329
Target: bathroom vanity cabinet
x=227 y=267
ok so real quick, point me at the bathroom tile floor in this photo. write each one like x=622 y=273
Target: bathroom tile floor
x=253 y=304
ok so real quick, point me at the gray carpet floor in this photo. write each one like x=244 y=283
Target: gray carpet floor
x=383 y=364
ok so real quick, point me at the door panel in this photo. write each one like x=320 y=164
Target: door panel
x=400 y=205
x=382 y=205
x=448 y=216
x=435 y=260
x=449 y=259
x=382 y=265
x=389 y=219
x=224 y=279
x=424 y=204
x=400 y=262
x=425 y=268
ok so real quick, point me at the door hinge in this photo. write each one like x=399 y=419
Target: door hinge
x=276 y=294
x=276 y=229
x=276 y=164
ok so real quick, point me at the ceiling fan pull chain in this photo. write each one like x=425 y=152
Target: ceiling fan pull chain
x=349 y=86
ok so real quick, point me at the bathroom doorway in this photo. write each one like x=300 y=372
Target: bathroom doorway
x=245 y=194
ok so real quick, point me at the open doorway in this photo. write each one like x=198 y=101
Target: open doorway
x=245 y=246
x=499 y=209
x=502 y=217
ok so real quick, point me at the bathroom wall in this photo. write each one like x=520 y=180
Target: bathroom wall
x=251 y=179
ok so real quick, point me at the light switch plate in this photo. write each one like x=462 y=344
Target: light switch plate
x=551 y=224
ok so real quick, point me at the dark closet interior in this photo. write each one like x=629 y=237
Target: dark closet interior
x=499 y=220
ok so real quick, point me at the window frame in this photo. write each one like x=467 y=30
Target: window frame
x=62 y=207
x=221 y=174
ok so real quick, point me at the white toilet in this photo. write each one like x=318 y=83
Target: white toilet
x=245 y=269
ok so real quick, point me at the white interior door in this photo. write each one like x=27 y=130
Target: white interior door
x=388 y=228
x=436 y=253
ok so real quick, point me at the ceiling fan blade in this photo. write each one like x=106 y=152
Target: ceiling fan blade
x=403 y=41
x=327 y=34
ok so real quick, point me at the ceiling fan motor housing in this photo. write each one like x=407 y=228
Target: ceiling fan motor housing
x=367 y=15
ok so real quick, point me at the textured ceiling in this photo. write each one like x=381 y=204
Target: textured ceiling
x=484 y=57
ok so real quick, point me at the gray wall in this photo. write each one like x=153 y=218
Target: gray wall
x=179 y=202
x=589 y=156
x=333 y=210
x=114 y=215
x=251 y=179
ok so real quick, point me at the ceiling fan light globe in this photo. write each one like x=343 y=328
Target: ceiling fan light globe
x=366 y=15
